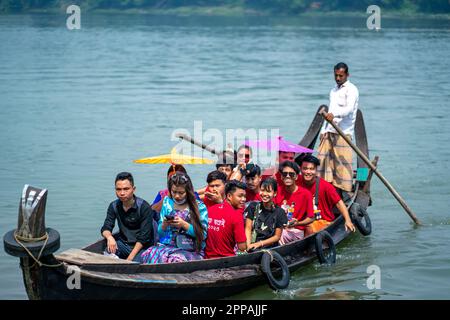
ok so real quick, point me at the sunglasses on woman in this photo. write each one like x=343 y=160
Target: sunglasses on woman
x=179 y=177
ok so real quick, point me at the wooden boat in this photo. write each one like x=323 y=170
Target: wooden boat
x=87 y=274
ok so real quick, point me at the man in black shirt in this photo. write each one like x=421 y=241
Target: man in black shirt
x=134 y=217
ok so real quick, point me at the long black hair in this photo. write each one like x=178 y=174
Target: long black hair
x=181 y=179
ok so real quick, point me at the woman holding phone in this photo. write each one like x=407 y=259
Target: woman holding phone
x=182 y=226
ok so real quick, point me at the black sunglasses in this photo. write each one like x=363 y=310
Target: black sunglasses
x=290 y=174
x=179 y=177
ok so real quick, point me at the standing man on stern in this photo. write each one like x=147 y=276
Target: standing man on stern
x=334 y=153
x=134 y=217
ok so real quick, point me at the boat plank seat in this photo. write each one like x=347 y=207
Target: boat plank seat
x=82 y=257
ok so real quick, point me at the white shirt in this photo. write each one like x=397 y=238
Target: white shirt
x=343 y=105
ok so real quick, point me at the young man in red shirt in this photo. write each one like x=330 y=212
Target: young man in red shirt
x=215 y=191
x=253 y=181
x=274 y=171
x=225 y=223
x=296 y=201
x=327 y=194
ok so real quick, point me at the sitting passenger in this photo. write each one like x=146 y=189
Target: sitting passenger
x=244 y=157
x=273 y=171
x=253 y=180
x=265 y=220
x=244 y=154
x=134 y=217
x=182 y=226
x=225 y=227
x=297 y=202
x=252 y=172
x=157 y=203
x=215 y=191
x=327 y=196
x=226 y=164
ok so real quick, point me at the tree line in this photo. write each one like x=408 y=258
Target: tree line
x=289 y=7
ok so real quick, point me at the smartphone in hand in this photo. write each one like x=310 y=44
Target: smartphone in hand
x=170 y=217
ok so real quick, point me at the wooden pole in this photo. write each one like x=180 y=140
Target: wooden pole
x=373 y=168
x=201 y=145
x=369 y=177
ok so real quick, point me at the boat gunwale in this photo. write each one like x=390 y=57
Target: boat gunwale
x=95 y=273
x=215 y=263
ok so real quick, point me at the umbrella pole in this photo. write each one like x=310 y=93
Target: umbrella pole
x=374 y=169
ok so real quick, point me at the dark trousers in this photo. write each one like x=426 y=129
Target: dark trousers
x=124 y=249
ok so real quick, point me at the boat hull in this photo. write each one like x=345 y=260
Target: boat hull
x=218 y=278
x=208 y=279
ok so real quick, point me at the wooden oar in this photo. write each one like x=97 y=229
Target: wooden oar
x=369 y=176
x=201 y=145
x=374 y=169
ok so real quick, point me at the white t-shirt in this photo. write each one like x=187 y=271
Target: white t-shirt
x=343 y=105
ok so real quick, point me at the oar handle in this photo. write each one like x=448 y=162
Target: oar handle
x=372 y=167
x=346 y=138
x=199 y=144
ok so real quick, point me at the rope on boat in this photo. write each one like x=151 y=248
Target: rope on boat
x=44 y=238
x=269 y=252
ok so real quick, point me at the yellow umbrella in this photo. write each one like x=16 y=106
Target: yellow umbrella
x=174 y=158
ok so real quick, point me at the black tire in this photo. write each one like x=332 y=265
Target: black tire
x=321 y=237
x=274 y=283
x=15 y=249
x=361 y=219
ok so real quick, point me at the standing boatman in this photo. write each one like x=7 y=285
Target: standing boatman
x=334 y=152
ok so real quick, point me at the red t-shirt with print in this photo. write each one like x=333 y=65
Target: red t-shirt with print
x=225 y=230
x=328 y=197
x=301 y=200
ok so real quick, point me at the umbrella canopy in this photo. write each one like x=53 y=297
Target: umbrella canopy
x=278 y=144
x=174 y=158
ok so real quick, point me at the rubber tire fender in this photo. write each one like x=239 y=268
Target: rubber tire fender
x=319 y=239
x=15 y=249
x=358 y=213
x=274 y=283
